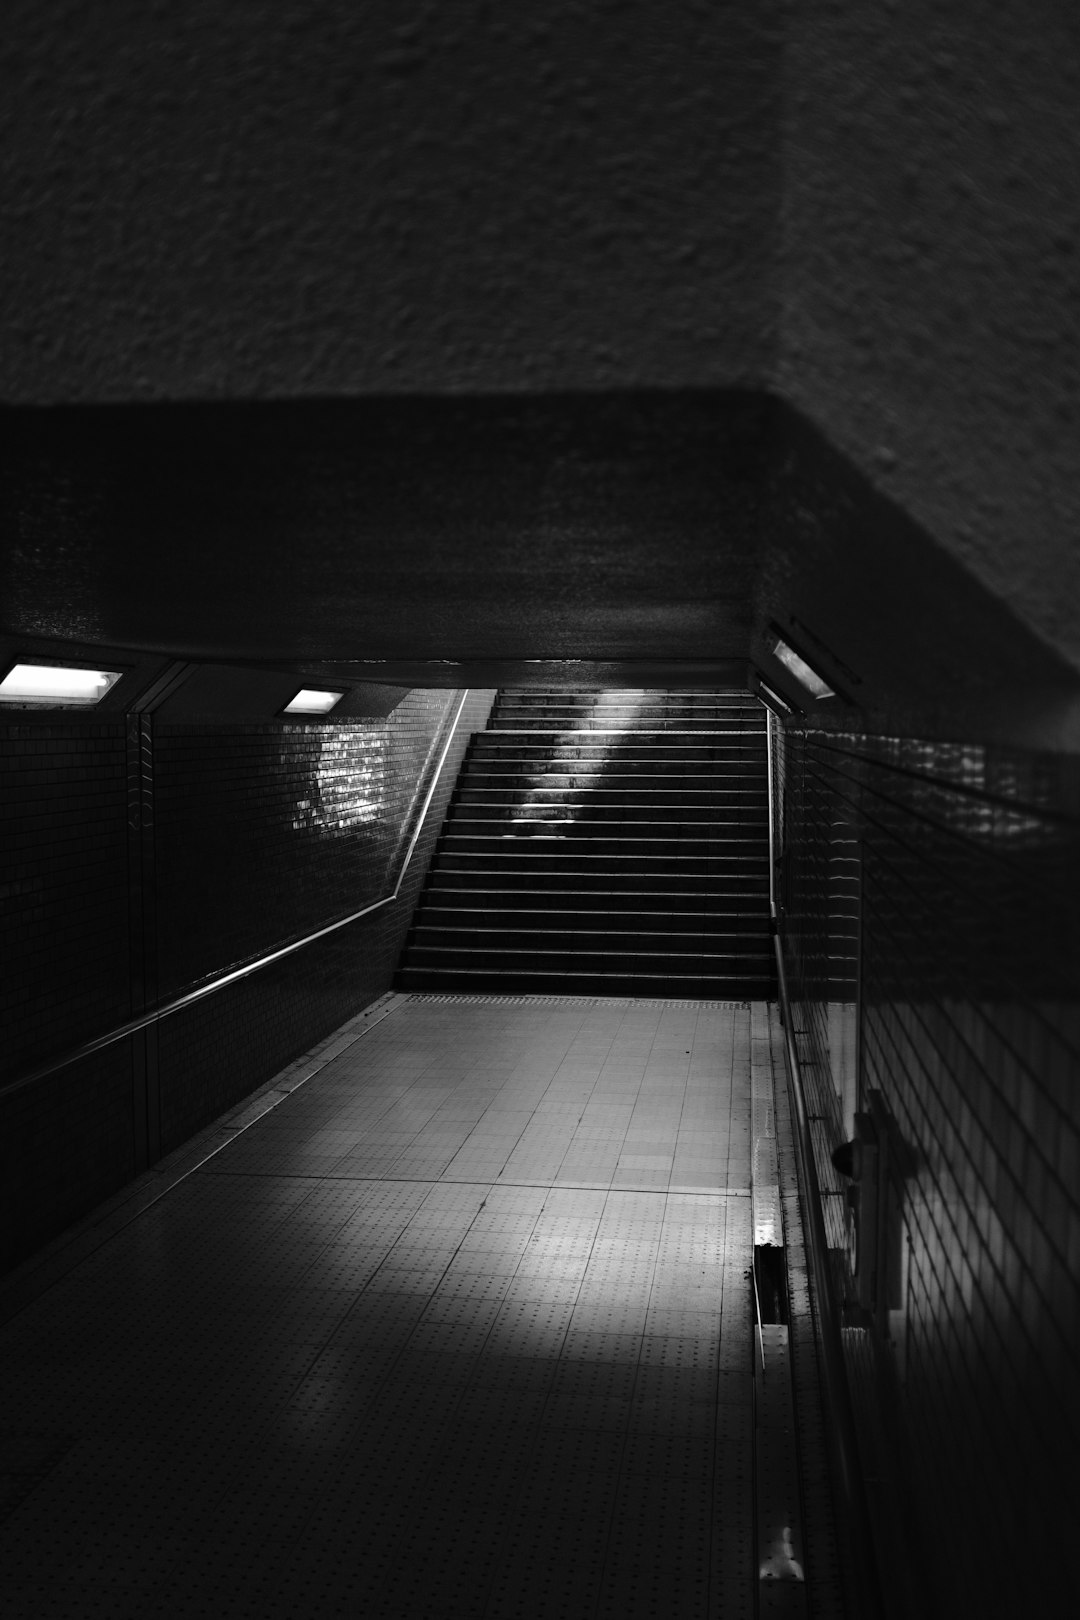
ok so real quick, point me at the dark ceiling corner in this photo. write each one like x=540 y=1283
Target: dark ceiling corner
x=369 y=700
x=623 y=538
x=596 y=526
x=910 y=640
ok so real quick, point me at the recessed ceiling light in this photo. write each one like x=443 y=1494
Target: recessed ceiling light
x=56 y=686
x=310 y=701
x=797 y=666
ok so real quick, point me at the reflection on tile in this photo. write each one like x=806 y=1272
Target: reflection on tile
x=967 y=861
x=339 y=1371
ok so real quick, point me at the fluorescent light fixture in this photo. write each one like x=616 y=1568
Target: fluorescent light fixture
x=773 y=698
x=56 y=686
x=310 y=701
x=806 y=677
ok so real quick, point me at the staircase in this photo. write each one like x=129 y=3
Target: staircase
x=603 y=843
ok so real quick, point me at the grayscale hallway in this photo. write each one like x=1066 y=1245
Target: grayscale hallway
x=502 y=510
x=460 y=1324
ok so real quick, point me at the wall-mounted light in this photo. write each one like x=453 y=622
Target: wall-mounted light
x=56 y=686
x=773 y=699
x=807 y=677
x=309 y=700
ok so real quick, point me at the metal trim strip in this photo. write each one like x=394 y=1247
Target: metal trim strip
x=848 y=1468
x=178 y=1003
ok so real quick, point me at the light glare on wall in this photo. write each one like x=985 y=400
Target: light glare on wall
x=54 y=686
x=801 y=670
x=310 y=701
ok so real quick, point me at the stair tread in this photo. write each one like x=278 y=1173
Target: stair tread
x=481 y=935
x=672 y=895
x=569 y=972
x=605 y=840
x=540 y=954
x=578 y=855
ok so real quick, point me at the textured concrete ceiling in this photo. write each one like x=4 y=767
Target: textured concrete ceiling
x=343 y=233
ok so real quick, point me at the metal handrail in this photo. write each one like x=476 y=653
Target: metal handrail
x=178 y=1003
x=772 y=817
x=848 y=1469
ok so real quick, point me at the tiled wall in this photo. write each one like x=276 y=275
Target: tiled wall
x=248 y=837
x=287 y=825
x=63 y=886
x=962 y=866
x=220 y=1050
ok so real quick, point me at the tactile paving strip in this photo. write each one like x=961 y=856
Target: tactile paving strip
x=465 y=1000
x=290 y=1387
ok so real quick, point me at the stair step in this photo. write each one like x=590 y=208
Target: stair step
x=691 y=903
x=527 y=821
x=612 y=738
x=614 y=697
x=627 y=716
x=736 y=696
x=693 y=729
x=615 y=935
x=603 y=843
x=524 y=879
x=583 y=770
x=617 y=773
x=540 y=919
x=622 y=788
x=609 y=872
x=588 y=822
x=691 y=987
x=504 y=791
x=627 y=945
x=673 y=745
x=549 y=849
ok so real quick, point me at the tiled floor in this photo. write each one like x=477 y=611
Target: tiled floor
x=462 y=1327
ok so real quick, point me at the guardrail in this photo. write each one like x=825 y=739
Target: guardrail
x=190 y=997
x=857 y=1542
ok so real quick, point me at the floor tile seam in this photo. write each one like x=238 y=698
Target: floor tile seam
x=682 y=1102
x=391 y=1102
x=389 y=1372
x=331 y=1238
x=592 y=1089
x=656 y=1034
x=721 y=1456
x=606 y=1556
x=537 y=1427
x=84 y=1230
x=544 y=1187
x=732 y=1047
x=522 y=1183
x=715 y=1570
x=300 y=1379
x=521 y=1133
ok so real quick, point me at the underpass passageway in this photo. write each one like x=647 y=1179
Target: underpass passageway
x=463 y=1326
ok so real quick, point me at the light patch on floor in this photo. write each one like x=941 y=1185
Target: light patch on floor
x=461 y=1327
